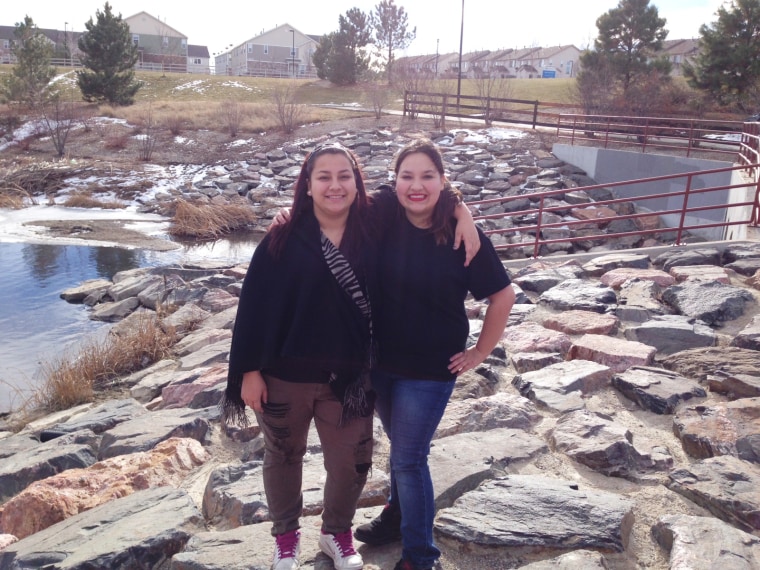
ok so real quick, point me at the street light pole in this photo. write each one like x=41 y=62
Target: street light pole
x=459 y=70
x=293 y=52
x=436 y=58
x=65 y=42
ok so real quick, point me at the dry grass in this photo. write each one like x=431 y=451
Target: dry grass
x=83 y=200
x=73 y=379
x=209 y=221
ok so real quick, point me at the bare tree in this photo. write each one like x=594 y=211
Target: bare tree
x=490 y=89
x=232 y=114
x=148 y=137
x=58 y=116
x=287 y=110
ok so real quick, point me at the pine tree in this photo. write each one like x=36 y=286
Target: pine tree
x=624 y=58
x=29 y=81
x=390 y=23
x=339 y=57
x=109 y=57
x=728 y=64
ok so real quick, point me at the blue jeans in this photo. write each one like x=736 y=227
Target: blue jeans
x=410 y=410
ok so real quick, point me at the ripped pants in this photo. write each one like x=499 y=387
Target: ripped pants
x=346 y=449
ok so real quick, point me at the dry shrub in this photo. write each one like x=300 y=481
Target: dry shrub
x=73 y=379
x=116 y=141
x=86 y=201
x=11 y=201
x=206 y=221
x=174 y=123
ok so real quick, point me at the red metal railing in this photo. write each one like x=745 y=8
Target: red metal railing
x=530 y=236
x=663 y=133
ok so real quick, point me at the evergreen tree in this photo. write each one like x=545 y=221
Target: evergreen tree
x=109 y=57
x=728 y=64
x=340 y=56
x=29 y=81
x=624 y=51
x=390 y=23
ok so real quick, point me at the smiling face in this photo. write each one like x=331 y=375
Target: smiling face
x=332 y=185
x=418 y=187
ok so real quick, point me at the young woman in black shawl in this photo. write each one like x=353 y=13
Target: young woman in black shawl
x=301 y=351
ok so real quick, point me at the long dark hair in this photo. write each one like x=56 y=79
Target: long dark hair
x=355 y=232
x=442 y=226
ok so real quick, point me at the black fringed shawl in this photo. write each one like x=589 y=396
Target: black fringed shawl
x=296 y=322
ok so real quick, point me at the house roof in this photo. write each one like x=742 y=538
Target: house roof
x=197 y=51
x=164 y=26
x=680 y=47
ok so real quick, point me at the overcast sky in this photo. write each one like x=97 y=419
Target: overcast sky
x=488 y=24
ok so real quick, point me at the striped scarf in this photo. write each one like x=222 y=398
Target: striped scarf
x=355 y=401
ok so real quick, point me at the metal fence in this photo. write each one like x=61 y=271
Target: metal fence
x=529 y=233
x=487 y=109
x=684 y=135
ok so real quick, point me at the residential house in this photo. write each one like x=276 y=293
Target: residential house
x=161 y=47
x=280 y=52
x=678 y=52
x=556 y=62
x=198 y=59
x=64 y=44
x=474 y=63
x=518 y=62
x=497 y=63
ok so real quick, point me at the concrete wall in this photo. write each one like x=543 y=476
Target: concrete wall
x=606 y=165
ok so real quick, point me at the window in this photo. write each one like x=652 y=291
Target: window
x=197 y=61
x=266 y=49
x=250 y=48
x=136 y=39
x=165 y=41
x=183 y=42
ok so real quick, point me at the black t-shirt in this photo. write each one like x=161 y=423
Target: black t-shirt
x=420 y=321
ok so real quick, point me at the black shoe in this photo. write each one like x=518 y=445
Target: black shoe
x=383 y=529
x=406 y=565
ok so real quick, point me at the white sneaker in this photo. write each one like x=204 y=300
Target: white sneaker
x=340 y=547
x=286 y=550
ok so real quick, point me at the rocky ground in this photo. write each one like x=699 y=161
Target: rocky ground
x=616 y=427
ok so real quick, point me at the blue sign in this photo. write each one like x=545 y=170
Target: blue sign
x=548 y=74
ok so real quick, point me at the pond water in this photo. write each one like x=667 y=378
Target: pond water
x=37 y=326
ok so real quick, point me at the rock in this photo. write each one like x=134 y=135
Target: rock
x=560 y=386
x=483 y=414
x=604 y=446
x=580 y=295
x=142 y=530
x=725 y=486
x=618 y=354
x=672 y=333
x=615 y=278
x=705 y=543
x=656 y=390
x=532 y=337
x=701 y=363
x=726 y=428
x=21 y=469
x=145 y=432
x=576 y=322
x=708 y=301
x=749 y=336
x=540 y=512
x=73 y=491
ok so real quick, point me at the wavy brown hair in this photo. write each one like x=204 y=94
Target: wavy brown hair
x=356 y=228
x=442 y=226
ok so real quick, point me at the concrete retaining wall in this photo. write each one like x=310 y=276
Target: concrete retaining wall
x=607 y=165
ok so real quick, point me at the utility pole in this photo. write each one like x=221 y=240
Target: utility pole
x=65 y=43
x=293 y=52
x=436 y=58
x=459 y=70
